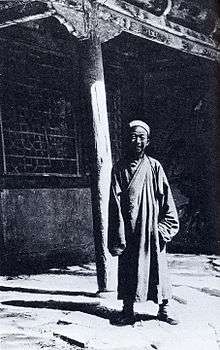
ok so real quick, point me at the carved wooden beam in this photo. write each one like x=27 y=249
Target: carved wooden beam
x=13 y=10
x=22 y=11
x=110 y=17
x=27 y=19
x=136 y=21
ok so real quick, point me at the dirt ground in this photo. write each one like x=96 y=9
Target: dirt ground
x=60 y=309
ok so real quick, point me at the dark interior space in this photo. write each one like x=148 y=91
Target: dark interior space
x=176 y=94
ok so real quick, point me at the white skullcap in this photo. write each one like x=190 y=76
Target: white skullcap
x=140 y=123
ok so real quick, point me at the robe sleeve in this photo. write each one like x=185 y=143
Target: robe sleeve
x=116 y=231
x=168 y=225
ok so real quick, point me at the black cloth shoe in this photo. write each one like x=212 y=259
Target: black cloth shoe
x=172 y=321
x=165 y=314
x=123 y=319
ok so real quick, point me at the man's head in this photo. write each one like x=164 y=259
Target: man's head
x=139 y=133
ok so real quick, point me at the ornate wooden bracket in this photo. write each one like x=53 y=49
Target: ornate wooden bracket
x=72 y=16
x=81 y=18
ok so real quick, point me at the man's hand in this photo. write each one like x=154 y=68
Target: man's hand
x=117 y=251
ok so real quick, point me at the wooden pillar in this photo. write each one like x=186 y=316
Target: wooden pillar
x=3 y=252
x=100 y=156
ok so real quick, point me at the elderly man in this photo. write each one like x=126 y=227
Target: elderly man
x=142 y=219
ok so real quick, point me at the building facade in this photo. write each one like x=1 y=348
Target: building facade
x=73 y=73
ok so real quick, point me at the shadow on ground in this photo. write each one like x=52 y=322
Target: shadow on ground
x=93 y=308
x=46 y=291
x=210 y=291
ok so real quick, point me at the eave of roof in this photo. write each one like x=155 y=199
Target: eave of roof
x=192 y=27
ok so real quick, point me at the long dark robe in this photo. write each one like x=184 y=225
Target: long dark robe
x=142 y=219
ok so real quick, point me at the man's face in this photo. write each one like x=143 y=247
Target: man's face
x=138 y=140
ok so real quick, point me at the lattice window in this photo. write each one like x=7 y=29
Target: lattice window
x=38 y=117
x=39 y=141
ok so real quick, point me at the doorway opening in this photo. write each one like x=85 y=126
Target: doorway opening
x=176 y=94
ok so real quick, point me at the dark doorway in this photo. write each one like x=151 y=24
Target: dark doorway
x=176 y=94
